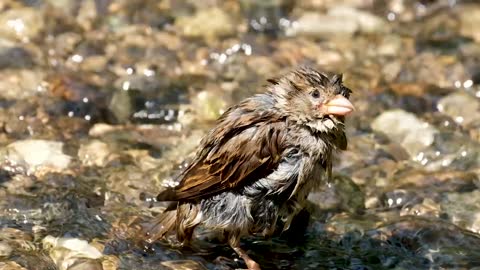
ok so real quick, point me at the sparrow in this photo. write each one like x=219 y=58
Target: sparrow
x=260 y=161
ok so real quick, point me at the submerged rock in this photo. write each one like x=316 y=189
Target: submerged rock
x=11 y=266
x=342 y=194
x=319 y=25
x=406 y=129
x=72 y=253
x=22 y=23
x=340 y=20
x=94 y=153
x=470 y=19
x=367 y=22
x=463 y=209
x=207 y=23
x=461 y=107
x=37 y=155
x=19 y=84
x=183 y=265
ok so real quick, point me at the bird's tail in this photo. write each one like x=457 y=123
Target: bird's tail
x=160 y=226
x=179 y=218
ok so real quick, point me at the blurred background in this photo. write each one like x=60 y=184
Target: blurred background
x=104 y=101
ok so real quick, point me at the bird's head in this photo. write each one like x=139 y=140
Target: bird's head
x=308 y=97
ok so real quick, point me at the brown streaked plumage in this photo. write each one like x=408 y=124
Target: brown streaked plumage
x=260 y=161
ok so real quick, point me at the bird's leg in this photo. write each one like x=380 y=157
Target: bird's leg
x=234 y=242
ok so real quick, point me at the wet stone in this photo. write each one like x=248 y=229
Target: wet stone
x=94 y=153
x=454 y=204
x=21 y=24
x=11 y=266
x=341 y=194
x=183 y=265
x=469 y=17
x=15 y=56
x=20 y=84
x=5 y=249
x=72 y=253
x=48 y=155
x=406 y=129
x=461 y=107
x=208 y=23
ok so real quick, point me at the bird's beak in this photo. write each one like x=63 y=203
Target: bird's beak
x=339 y=105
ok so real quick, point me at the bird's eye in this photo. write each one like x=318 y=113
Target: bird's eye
x=316 y=94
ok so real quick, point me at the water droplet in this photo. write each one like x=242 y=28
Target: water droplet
x=440 y=107
x=419 y=156
x=391 y=16
x=445 y=162
x=467 y=83
x=424 y=161
x=149 y=72
x=77 y=58
x=263 y=20
x=169 y=115
x=247 y=49
x=222 y=58
x=390 y=202
x=126 y=85
x=17 y=25
x=236 y=47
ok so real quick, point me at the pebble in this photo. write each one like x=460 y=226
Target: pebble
x=207 y=23
x=11 y=266
x=339 y=20
x=21 y=24
x=68 y=252
x=183 y=265
x=5 y=249
x=454 y=206
x=319 y=25
x=36 y=155
x=20 y=84
x=469 y=21
x=94 y=153
x=406 y=129
x=461 y=107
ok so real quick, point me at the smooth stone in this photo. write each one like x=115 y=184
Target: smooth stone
x=37 y=154
x=406 y=129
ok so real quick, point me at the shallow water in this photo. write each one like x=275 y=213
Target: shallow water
x=103 y=101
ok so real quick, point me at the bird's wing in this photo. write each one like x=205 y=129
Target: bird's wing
x=245 y=146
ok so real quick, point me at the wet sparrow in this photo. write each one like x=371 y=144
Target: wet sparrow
x=260 y=161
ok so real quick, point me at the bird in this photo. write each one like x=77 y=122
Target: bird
x=260 y=161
